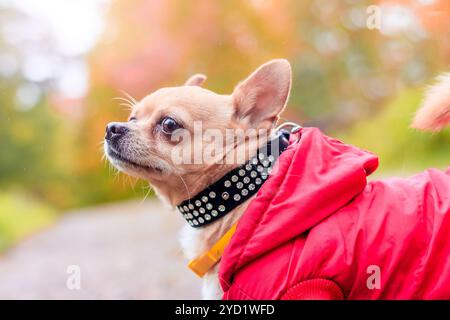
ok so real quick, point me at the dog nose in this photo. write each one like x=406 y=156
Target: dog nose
x=115 y=130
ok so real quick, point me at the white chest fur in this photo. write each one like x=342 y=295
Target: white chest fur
x=196 y=241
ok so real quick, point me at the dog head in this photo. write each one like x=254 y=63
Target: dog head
x=164 y=135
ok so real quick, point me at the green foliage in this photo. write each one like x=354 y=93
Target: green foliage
x=20 y=216
x=25 y=143
x=341 y=73
x=400 y=148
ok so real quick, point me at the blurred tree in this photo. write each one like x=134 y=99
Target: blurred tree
x=41 y=130
x=27 y=131
x=344 y=73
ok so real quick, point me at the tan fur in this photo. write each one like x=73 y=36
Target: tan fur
x=196 y=80
x=434 y=114
x=255 y=103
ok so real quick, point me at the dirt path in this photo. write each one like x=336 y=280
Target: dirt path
x=128 y=250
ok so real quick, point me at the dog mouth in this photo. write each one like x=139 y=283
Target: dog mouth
x=115 y=155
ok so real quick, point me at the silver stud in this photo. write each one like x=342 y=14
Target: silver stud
x=271 y=158
x=209 y=206
x=251 y=186
x=264 y=176
x=190 y=216
x=258 y=181
x=191 y=223
x=261 y=156
x=244 y=192
x=236 y=197
x=227 y=183
x=242 y=172
x=195 y=212
x=181 y=209
x=202 y=210
x=205 y=199
x=265 y=163
x=214 y=213
x=253 y=174
x=269 y=170
x=191 y=206
x=185 y=216
x=221 y=208
x=234 y=178
x=248 y=167
x=201 y=220
x=259 y=168
x=255 y=161
x=207 y=217
x=212 y=194
x=225 y=195
x=198 y=203
x=195 y=222
x=246 y=180
x=239 y=185
x=185 y=208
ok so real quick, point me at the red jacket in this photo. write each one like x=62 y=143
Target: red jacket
x=318 y=230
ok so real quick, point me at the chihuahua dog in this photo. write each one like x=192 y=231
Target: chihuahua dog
x=144 y=146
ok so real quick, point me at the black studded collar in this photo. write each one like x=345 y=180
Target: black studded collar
x=235 y=187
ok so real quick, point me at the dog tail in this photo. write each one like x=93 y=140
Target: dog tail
x=434 y=114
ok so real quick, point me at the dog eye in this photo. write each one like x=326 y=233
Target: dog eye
x=169 y=125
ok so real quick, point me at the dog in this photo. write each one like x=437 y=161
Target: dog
x=145 y=145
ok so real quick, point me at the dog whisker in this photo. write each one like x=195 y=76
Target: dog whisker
x=129 y=96
x=123 y=99
x=127 y=105
x=125 y=102
x=147 y=194
x=185 y=186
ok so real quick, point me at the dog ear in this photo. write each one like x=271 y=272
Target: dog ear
x=196 y=80
x=263 y=95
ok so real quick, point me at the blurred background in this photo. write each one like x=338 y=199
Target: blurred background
x=62 y=63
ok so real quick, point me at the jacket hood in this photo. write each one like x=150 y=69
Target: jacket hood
x=312 y=179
